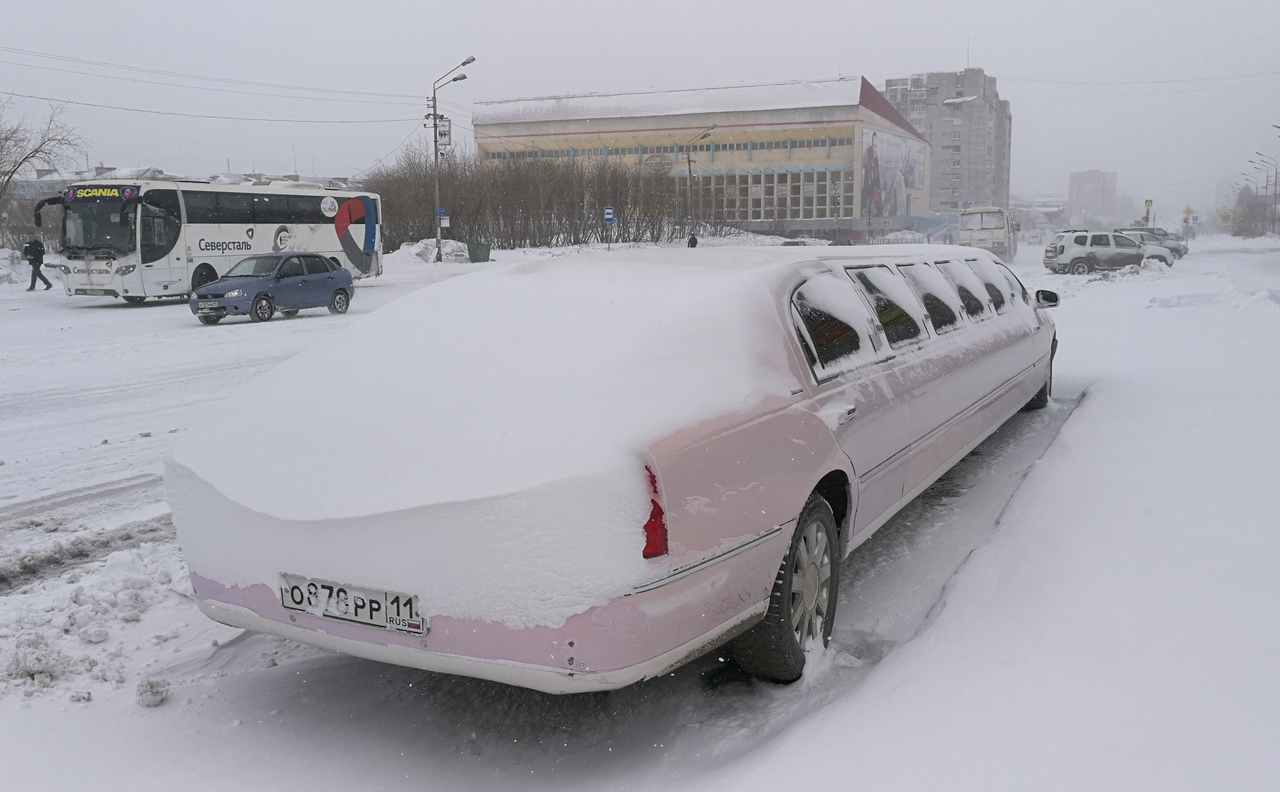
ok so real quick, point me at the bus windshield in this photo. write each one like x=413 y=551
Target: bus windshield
x=97 y=224
x=979 y=221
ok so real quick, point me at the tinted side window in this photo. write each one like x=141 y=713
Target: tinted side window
x=271 y=209
x=993 y=281
x=1099 y=240
x=1081 y=240
x=967 y=285
x=826 y=311
x=899 y=326
x=235 y=208
x=292 y=268
x=1125 y=242
x=935 y=293
x=317 y=266
x=202 y=207
x=305 y=209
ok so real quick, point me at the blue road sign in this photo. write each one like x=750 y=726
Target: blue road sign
x=608 y=214
x=441 y=213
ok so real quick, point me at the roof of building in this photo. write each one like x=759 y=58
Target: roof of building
x=795 y=95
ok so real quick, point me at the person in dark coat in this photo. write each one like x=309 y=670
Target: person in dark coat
x=693 y=240
x=33 y=252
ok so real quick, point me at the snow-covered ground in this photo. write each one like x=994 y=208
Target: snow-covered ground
x=1087 y=602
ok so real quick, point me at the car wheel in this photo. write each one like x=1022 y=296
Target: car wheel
x=802 y=605
x=210 y=320
x=262 y=309
x=340 y=302
x=132 y=300
x=1041 y=399
x=290 y=313
x=1079 y=267
x=203 y=276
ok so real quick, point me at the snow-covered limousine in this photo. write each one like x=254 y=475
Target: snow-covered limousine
x=573 y=475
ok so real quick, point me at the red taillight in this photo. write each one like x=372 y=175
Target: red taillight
x=655 y=528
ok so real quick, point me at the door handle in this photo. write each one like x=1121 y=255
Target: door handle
x=847 y=415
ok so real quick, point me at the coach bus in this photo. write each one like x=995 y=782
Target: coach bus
x=145 y=239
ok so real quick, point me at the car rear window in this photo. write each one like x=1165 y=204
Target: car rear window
x=317 y=266
x=827 y=312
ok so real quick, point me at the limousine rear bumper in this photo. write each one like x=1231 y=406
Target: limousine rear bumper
x=638 y=636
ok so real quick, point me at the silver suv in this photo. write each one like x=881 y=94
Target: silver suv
x=1081 y=252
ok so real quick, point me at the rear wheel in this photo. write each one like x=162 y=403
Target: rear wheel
x=802 y=604
x=340 y=302
x=1079 y=267
x=210 y=320
x=262 y=309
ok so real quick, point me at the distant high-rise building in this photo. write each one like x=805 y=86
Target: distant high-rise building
x=1091 y=198
x=970 y=130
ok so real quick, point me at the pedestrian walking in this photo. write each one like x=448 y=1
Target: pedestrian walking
x=693 y=240
x=33 y=252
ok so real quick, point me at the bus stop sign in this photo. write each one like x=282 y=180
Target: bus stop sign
x=608 y=214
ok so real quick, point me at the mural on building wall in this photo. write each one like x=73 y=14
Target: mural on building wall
x=891 y=166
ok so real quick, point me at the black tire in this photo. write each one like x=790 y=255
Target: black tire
x=262 y=309
x=339 y=302
x=1041 y=399
x=203 y=276
x=290 y=313
x=1079 y=267
x=774 y=648
x=133 y=300
x=1162 y=260
x=209 y=320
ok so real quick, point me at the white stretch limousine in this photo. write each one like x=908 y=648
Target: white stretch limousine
x=582 y=473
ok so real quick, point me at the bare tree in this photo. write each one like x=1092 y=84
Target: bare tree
x=25 y=145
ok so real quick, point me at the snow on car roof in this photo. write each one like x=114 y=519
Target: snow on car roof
x=502 y=381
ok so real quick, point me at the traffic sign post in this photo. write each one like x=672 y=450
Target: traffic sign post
x=608 y=223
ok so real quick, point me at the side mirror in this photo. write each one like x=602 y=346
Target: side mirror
x=1046 y=298
x=57 y=200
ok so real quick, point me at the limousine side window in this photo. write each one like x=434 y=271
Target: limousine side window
x=939 y=297
x=889 y=300
x=1015 y=284
x=992 y=280
x=825 y=312
x=967 y=285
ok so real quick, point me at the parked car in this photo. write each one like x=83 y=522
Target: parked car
x=580 y=474
x=1158 y=236
x=258 y=286
x=1081 y=252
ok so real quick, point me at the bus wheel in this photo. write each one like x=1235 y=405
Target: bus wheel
x=134 y=300
x=340 y=302
x=263 y=309
x=203 y=276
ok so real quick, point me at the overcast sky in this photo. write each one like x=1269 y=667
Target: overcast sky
x=1174 y=96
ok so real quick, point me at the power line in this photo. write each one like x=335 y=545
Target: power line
x=167 y=73
x=388 y=154
x=198 y=87
x=215 y=117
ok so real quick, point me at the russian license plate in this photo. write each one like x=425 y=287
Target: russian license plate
x=207 y=304
x=391 y=610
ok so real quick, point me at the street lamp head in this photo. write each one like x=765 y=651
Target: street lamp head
x=458 y=78
x=470 y=60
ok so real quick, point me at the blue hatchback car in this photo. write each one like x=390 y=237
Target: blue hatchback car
x=287 y=282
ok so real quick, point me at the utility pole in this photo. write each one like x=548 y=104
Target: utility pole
x=435 y=142
x=688 y=156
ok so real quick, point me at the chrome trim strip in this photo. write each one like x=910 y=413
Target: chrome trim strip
x=680 y=572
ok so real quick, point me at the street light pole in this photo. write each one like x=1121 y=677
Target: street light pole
x=688 y=156
x=1275 y=184
x=435 y=140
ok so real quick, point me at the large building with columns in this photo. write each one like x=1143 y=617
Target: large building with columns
x=827 y=158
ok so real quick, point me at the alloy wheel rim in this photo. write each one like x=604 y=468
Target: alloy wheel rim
x=810 y=583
